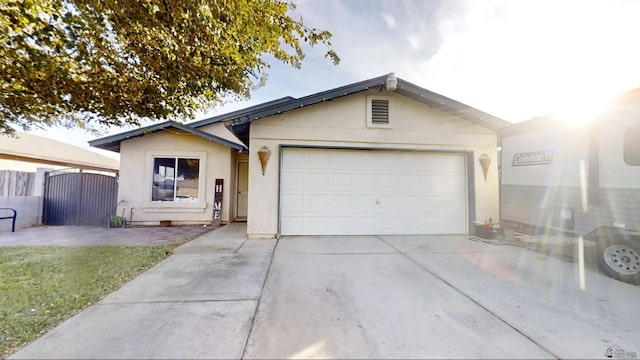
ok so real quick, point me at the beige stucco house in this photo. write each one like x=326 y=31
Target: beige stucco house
x=381 y=156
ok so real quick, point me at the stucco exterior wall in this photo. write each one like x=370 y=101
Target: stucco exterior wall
x=136 y=171
x=342 y=122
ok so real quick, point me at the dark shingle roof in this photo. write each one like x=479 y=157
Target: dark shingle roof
x=238 y=121
x=112 y=143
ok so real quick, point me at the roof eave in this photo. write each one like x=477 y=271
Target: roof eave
x=112 y=143
x=450 y=106
x=239 y=125
x=371 y=84
x=239 y=113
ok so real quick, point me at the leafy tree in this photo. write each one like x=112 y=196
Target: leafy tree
x=114 y=62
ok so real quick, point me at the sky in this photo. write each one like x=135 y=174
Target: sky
x=513 y=59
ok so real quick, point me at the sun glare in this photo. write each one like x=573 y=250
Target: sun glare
x=581 y=108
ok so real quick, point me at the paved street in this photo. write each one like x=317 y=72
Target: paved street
x=223 y=296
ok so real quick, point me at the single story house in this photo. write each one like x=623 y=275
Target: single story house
x=380 y=156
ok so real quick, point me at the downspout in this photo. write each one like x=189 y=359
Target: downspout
x=499 y=166
x=279 y=189
x=471 y=192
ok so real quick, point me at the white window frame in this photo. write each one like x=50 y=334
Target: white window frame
x=198 y=205
x=370 y=123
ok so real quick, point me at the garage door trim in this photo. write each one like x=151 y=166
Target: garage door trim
x=470 y=171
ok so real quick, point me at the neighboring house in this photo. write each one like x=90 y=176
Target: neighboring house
x=25 y=163
x=381 y=156
x=27 y=152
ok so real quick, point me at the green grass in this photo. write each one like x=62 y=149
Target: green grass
x=42 y=286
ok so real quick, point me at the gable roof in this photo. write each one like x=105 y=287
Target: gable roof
x=112 y=143
x=238 y=121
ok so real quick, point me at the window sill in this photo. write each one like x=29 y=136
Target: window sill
x=169 y=207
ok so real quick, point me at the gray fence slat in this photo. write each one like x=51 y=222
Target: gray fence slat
x=16 y=183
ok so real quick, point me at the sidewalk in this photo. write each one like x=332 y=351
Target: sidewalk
x=96 y=235
x=199 y=303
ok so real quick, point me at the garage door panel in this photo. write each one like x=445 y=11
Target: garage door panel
x=340 y=202
x=451 y=167
x=364 y=182
x=453 y=183
x=430 y=181
x=294 y=225
x=316 y=224
x=293 y=160
x=356 y=192
x=318 y=203
x=343 y=223
x=316 y=160
x=342 y=181
x=362 y=163
x=363 y=202
x=294 y=181
x=337 y=162
x=293 y=203
x=316 y=180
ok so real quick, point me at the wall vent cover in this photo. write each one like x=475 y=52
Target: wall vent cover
x=379 y=111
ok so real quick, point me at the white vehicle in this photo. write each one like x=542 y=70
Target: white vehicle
x=579 y=179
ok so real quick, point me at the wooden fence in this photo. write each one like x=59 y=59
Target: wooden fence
x=16 y=183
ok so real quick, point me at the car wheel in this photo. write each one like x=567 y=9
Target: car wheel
x=620 y=259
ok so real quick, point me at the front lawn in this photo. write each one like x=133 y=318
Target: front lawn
x=42 y=286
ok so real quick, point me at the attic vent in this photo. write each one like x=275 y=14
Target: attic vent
x=379 y=111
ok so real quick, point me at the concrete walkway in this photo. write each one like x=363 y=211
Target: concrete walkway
x=223 y=296
x=96 y=235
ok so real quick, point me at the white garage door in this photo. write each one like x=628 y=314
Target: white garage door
x=366 y=192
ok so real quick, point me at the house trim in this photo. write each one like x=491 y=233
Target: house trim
x=471 y=191
x=172 y=206
x=235 y=210
x=112 y=143
x=469 y=168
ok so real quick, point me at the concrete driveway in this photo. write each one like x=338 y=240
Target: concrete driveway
x=223 y=296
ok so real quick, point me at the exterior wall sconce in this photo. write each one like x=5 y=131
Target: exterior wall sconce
x=391 y=82
x=264 y=153
x=485 y=161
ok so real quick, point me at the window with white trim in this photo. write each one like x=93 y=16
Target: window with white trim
x=378 y=112
x=175 y=179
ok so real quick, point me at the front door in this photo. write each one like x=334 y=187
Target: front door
x=243 y=190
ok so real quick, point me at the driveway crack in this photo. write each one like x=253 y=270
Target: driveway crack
x=255 y=313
